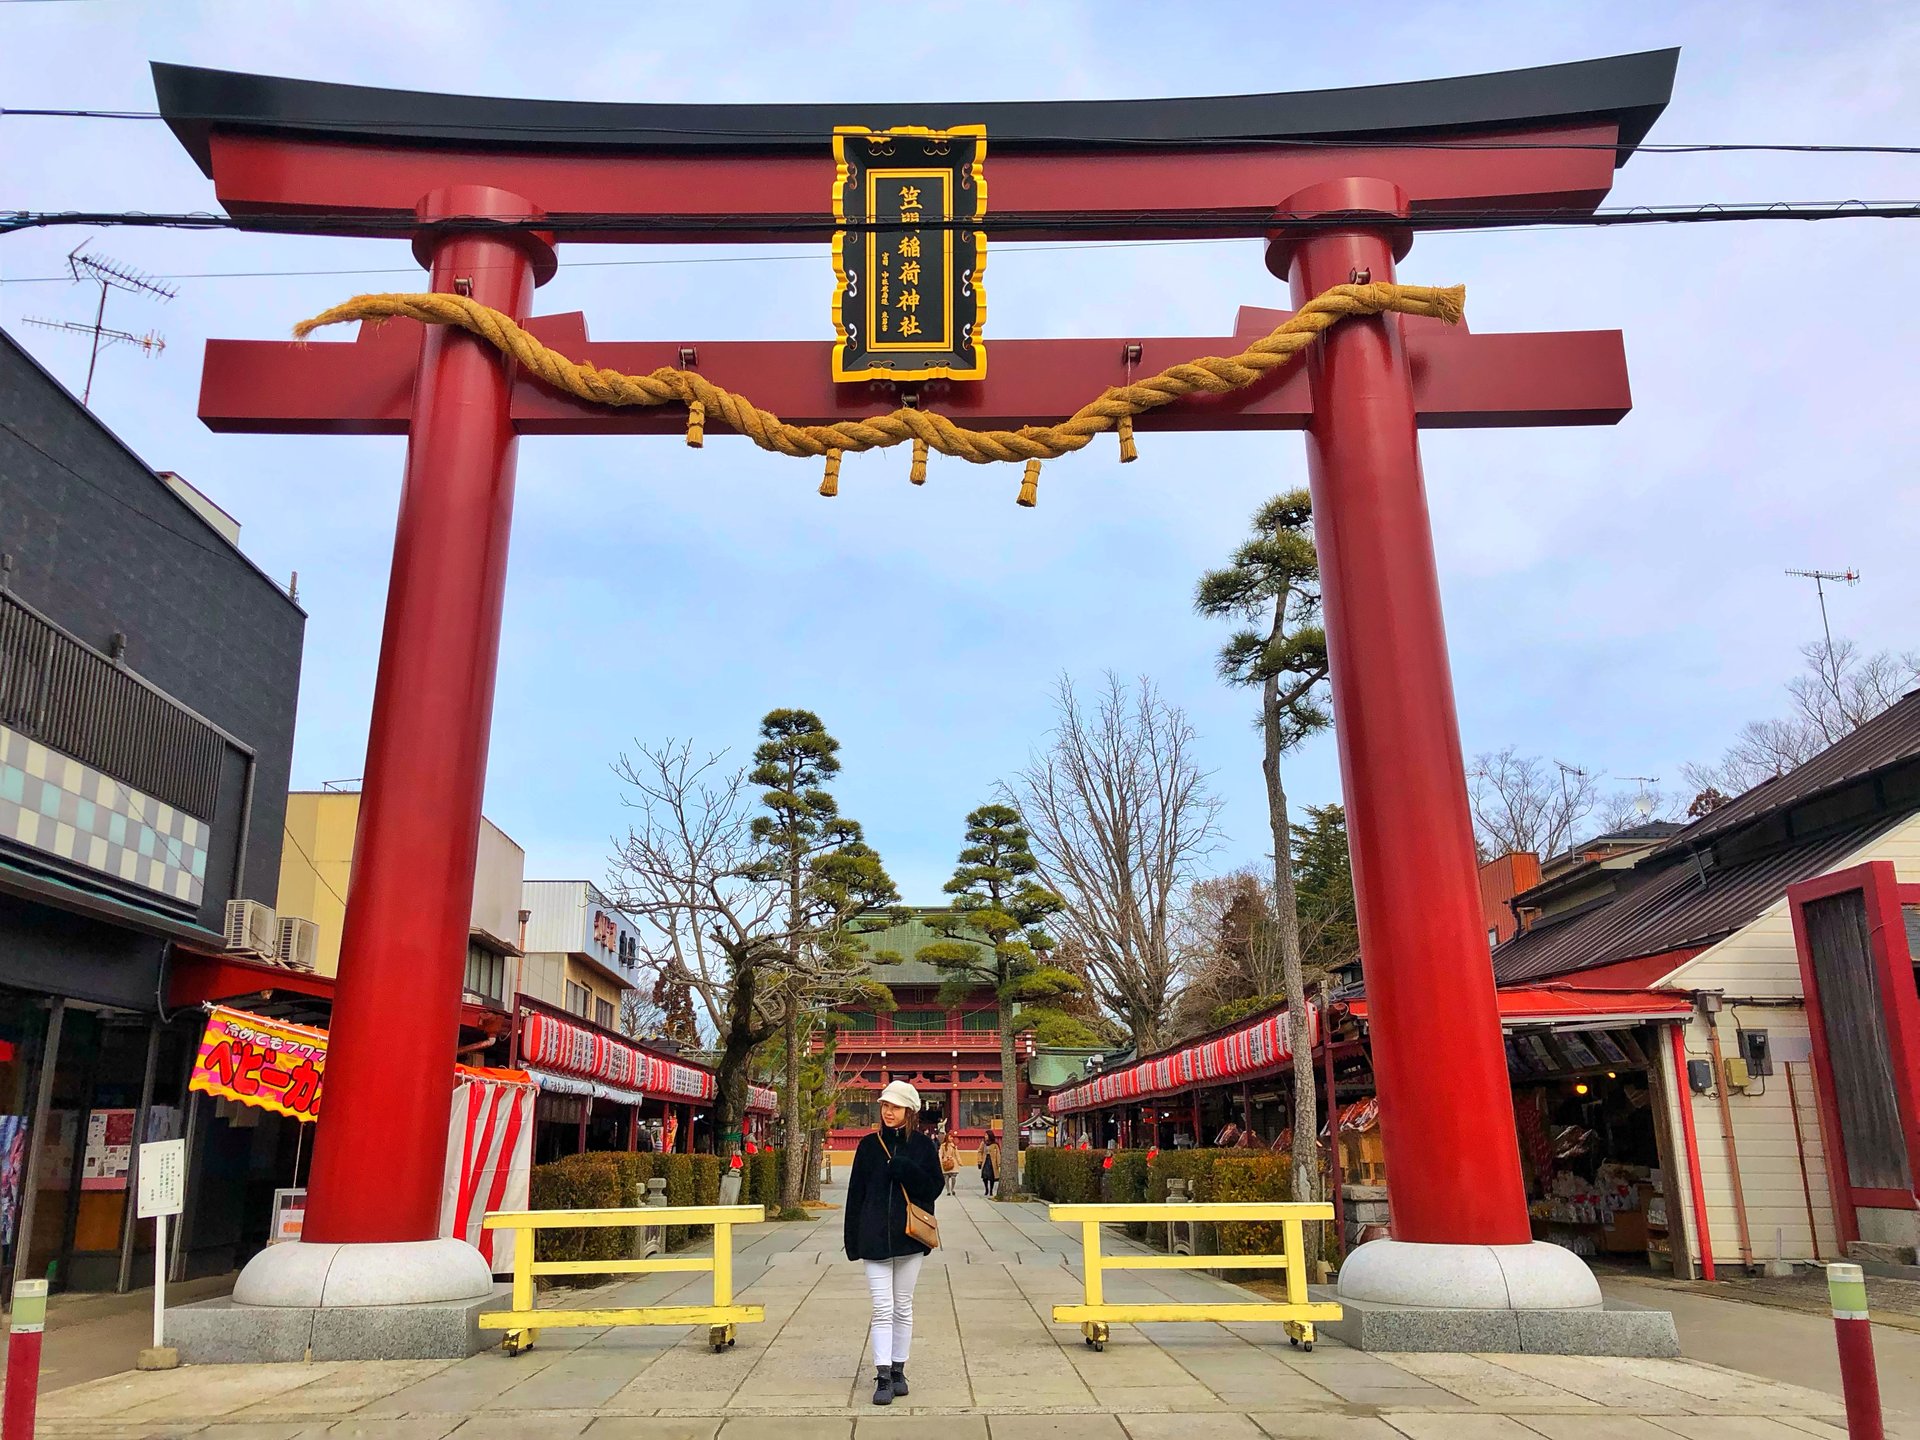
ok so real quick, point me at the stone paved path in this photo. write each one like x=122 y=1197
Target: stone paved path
x=987 y=1364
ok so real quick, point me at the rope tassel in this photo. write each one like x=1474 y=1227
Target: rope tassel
x=1030 y=486
x=1125 y=431
x=830 y=485
x=917 y=472
x=696 y=424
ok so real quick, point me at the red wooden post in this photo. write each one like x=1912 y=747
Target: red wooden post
x=403 y=943
x=1853 y=1333
x=23 y=1360
x=1453 y=1159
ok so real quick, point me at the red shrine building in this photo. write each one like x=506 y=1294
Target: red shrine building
x=950 y=1053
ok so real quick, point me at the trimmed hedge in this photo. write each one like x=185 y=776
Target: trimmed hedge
x=580 y=1182
x=609 y=1180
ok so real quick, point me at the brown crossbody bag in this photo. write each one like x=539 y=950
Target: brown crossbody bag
x=921 y=1225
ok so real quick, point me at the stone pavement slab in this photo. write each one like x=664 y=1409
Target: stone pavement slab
x=988 y=1363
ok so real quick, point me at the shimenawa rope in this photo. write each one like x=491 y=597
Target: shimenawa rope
x=1114 y=409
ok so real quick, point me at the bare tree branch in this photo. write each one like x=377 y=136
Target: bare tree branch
x=1120 y=815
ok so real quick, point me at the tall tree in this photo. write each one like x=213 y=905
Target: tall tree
x=1273 y=584
x=689 y=872
x=697 y=875
x=1525 y=805
x=828 y=877
x=1120 y=816
x=996 y=938
x=1329 y=923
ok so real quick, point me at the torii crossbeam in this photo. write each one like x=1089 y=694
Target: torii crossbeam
x=448 y=170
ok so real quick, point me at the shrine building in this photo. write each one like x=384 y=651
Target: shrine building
x=950 y=1053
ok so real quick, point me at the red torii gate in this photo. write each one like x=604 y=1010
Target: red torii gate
x=488 y=188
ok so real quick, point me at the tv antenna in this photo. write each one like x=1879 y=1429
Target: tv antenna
x=1643 y=797
x=109 y=275
x=1820 y=579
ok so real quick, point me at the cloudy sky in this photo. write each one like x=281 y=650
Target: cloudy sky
x=1615 y=597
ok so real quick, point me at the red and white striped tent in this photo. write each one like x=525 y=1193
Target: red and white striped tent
x=489 y=1158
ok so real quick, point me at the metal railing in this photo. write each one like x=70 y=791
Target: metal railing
x=953 y=1037
x=523 y=1323
x=1297 y=1312
x=62 y=692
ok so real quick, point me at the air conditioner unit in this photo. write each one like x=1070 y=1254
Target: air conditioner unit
x=299 y=940
x=250 y=928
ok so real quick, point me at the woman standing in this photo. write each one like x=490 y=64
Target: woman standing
x=990 y=1162
x=949 y=1160
x=895 y=1165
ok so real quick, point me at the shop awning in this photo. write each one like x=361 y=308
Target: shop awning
x=1253 y=1049
x=197 y=978
x=616 y=1068
x=1574 y=1007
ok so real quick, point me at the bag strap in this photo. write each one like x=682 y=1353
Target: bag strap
x=889 y=1154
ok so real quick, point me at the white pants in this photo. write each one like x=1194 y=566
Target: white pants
x=890 y=1283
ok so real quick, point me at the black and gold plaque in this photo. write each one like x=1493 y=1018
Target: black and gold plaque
x=908 y=302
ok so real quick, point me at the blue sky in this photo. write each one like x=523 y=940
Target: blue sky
x=1614 y=597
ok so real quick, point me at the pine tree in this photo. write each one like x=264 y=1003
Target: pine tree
x=1273 y=582
x=831 y=878
x=996 y=939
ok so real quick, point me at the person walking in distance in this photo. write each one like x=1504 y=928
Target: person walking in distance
x=893 y=1168
x=990 y=1163
x=949 y=1160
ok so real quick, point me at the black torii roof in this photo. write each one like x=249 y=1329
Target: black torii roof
x=1628 y=90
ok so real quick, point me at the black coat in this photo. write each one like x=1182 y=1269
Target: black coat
x=876 y=1219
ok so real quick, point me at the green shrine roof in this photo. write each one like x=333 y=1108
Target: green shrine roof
x=906 y=941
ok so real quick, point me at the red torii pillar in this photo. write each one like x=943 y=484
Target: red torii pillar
x=1453 y=1176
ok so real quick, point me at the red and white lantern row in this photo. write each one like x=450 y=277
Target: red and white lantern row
x=1254 y=1047
x=554 y=1044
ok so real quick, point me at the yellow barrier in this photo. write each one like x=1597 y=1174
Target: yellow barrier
x=523 y=1323
x=1297 y=1312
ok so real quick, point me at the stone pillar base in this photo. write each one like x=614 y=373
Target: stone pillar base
x=1469 y=1277
x=1500 y=1299
x=220 y=1332
x=411 y=1300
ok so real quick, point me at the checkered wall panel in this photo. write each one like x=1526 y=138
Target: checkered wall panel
x=54 y=804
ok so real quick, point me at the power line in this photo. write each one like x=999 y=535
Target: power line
x=810 y=256
x=314 y=866
x=640 y=131
x=1215 y=223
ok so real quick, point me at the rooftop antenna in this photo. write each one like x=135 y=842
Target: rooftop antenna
x=1820 y=578
x=1643 y=798
x=109 y=275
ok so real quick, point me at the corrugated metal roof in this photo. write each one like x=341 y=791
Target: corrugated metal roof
x=1670 y=904
x=1890 y=737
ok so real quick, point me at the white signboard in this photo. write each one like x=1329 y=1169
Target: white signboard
x=163 y=1178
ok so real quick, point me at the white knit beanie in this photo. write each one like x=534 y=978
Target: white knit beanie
x=899 y=1092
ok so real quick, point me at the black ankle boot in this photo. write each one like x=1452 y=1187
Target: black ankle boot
x=899 y=1377
x=883 y=1386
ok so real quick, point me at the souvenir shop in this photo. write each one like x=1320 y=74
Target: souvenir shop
x=600 y=1091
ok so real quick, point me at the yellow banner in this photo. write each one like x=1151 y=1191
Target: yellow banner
x=256 y=1061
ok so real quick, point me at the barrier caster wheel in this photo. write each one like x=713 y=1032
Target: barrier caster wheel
x=518 y=1341
x=720 y=1337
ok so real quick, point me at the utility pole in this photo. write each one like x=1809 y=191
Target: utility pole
x=1820 y=578
x=108 y=275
